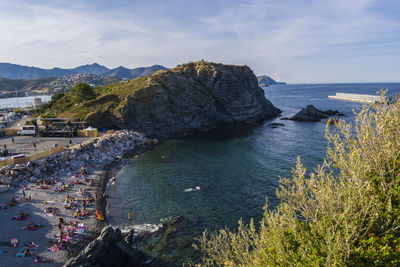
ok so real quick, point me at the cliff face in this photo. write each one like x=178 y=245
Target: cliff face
x=189 y=97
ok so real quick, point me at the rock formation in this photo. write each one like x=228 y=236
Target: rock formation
x=189 y=97
x=311 y=113
x=162 y=244
x=109 y=249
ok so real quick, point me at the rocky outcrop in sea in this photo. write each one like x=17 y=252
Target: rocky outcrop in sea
x=311 y=113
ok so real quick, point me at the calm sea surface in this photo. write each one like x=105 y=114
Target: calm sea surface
x=235 y=167
x=21 y=101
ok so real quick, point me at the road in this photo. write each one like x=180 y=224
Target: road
x=25 y=144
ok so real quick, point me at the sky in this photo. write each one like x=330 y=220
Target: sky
x=296 y=41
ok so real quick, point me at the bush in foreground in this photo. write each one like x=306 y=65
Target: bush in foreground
x=345 y=212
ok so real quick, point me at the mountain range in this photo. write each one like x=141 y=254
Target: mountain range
x=14 y=71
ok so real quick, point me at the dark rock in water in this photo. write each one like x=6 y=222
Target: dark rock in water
x=330 y=112
x=340 y=114
x=109 y=249
x=187 y=98
x=310 y=113
x=164 y=243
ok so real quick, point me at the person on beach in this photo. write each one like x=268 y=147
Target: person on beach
x=27 y=253
x=40 y=260
x=23 y=192
x=23 y=214
x=27 y=199
x=60 y=223
x=83 y=171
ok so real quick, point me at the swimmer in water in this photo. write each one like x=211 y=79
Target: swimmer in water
x=129 y=216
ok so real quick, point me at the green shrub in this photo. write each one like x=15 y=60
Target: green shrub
x=345 y=212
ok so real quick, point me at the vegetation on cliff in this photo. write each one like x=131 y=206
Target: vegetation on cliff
x=345 y=212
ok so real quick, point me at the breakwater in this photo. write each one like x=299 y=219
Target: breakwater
x=356 y=97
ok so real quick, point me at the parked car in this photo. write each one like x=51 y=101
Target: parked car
x=27 y=130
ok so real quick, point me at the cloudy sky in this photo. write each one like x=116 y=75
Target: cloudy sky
x=297 y=41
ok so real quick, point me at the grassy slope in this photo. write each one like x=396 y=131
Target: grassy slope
x=109 y=98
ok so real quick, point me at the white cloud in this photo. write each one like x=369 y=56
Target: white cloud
x=297 y=41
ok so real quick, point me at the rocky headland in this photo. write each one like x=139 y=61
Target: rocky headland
x=179 y=101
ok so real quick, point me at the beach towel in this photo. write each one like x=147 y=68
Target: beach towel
x=21 y=253
x=14 y=242
x=30 y=245
x=100 y=216
x=1 y=252
x=33 y=228
x=43 y=261
x=30 y=228
x=20 y=218
x=79 y=230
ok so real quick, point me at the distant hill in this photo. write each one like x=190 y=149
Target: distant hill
x=14 y=71
x=129 y=74
x=265 y=80
x=54 y=84
x=24 y=85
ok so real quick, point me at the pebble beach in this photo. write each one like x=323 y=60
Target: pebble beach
x=47 y=182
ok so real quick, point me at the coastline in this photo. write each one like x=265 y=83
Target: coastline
x=107 y=152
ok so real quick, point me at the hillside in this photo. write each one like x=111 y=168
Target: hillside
x=14 y=71
x=129 y=74
x=186 y=98
x=53 y=84
x=25 y=85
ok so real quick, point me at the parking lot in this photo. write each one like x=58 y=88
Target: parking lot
x=29 y=145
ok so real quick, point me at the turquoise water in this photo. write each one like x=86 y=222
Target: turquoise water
x=235 y=167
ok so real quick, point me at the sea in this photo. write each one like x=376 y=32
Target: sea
x=21 y=102
x=236 y=168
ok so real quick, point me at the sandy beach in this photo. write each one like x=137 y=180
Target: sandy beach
x=88 y=227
